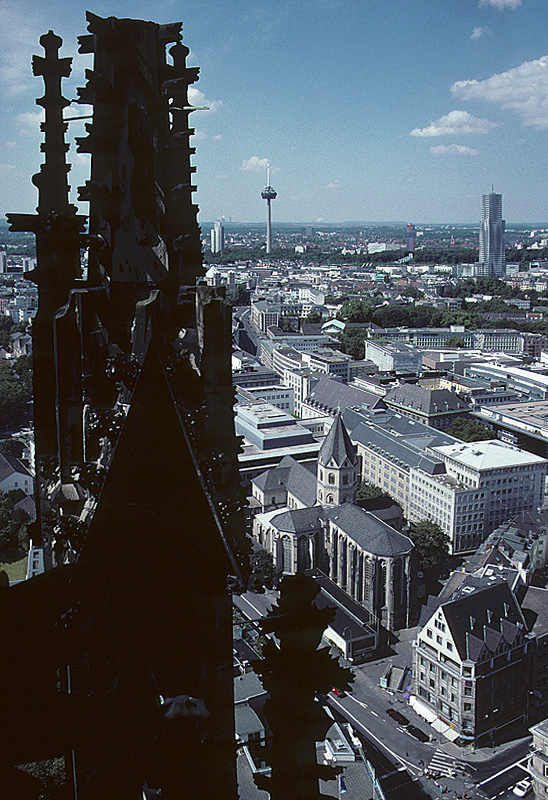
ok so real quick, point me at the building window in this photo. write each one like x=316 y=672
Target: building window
x=345 y=479
x=331 y=478
x=287 y=550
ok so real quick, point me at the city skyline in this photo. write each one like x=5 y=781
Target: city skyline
x=366 y=111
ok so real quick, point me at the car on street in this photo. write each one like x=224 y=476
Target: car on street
x=399 y=718
x=522 y=788
x=338 y=692
x=417 y=733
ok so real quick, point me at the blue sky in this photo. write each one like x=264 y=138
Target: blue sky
x=367 y=109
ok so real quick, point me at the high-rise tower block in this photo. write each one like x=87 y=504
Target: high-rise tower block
x=491 y=236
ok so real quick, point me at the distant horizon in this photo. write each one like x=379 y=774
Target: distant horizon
x=357 y=224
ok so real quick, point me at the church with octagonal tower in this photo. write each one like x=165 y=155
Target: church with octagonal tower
x=310 y=520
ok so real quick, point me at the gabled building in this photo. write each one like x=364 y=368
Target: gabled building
x=435 y=407
x=14 y=475
x=474 y=662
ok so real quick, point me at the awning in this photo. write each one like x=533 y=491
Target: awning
x=451 y=734
x=439 y=726
x=422 y=709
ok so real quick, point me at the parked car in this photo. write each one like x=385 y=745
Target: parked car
x=400 y=719
x=417 y=733
x=523 y=788
x=338 y=692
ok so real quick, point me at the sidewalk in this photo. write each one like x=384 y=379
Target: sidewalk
x=370 y=674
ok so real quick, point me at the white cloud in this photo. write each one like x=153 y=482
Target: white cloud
x=523 y=90
x=83 y=159
x=30 y=121
x=500 y=4
x=453 y=150
x=333 y=185
x=254 y=164
x=6 y=169
x=479 y=31
x=217 y=137
x=198 y=99
x=10 y=144
x=456 y=123
x=20 y=34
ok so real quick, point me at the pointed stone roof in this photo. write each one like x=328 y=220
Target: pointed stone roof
x=337 y=446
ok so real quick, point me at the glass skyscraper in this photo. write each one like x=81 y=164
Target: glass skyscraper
x=491 y=236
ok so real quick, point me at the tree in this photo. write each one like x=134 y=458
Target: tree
x=15 y=394
x=368 y=491
x=352 y=342
x=468 y=430
x=12 y=447
x=314 y=316
x=455 y=341
x=356 y=311
x=261 y=562
x=13 y=524
x=431 y=544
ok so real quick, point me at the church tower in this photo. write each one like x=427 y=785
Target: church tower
x=338 y=474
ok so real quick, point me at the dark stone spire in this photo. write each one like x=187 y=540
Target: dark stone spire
x=337 y=446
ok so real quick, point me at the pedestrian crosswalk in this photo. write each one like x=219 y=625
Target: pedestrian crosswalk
x=443 y=764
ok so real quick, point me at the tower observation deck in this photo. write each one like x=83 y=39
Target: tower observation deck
x=268 y=194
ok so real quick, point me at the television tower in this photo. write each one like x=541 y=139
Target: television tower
x=268 y=194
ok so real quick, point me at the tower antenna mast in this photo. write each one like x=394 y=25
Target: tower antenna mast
x=268 y=194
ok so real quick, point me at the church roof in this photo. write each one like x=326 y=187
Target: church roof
x=337 y=446
x=300 y=520
x=293 y=476
x=370 y=533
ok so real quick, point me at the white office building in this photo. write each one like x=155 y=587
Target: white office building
x=484 y=484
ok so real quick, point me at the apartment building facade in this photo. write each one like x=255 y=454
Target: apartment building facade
x=473 y=663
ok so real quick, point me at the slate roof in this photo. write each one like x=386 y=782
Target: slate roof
x=336 y=446
x=246 y=721
x=9 y=465
x=299 y=520
x=425 y=401
x=399 y=425
x=371 y=534
x=246 y=686
x=403 y=453
x=330 y=395
x=483 y=616
x=295 y=477
x=302 y=483
x=535 y=609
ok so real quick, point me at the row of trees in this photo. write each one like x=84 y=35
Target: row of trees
x=13 y=526
x=15 y=391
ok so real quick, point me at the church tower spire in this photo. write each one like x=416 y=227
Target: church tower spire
x=337 y=476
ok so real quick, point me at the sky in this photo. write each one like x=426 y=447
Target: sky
x=368 y=110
